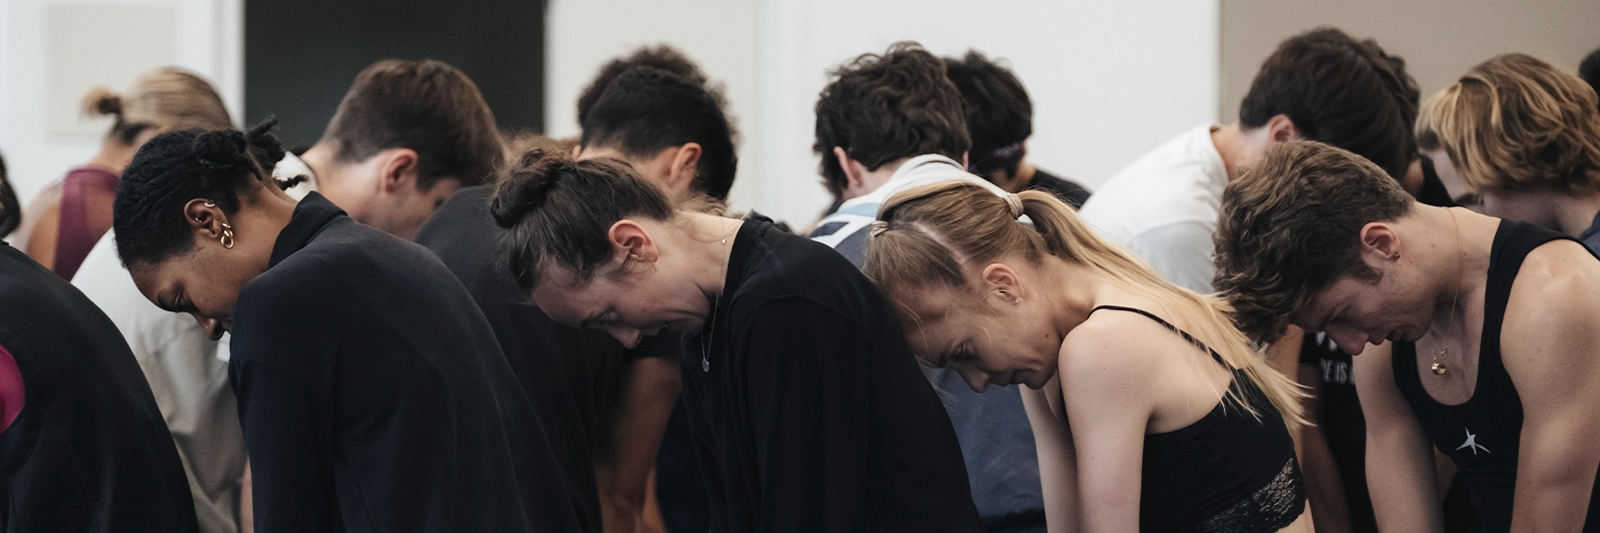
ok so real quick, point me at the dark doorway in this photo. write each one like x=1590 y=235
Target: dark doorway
x=301 y=55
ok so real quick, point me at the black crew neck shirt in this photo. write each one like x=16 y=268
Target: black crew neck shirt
x=374 y=397
x=808 y=410
x=89 y=452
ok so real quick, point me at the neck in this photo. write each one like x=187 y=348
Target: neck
x=704 y=236
x=872 y=180
x=1075 y=291
x=1233 y=144
x=1458 y=251
x=1024 y=179
x=1573 y=214
x=331 y=176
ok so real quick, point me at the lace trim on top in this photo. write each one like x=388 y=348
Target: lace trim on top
x=1271 y=508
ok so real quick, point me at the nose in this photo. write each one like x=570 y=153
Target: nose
x=212 y=326
x=1350 y=341
x=976 y=379
x=629 y=337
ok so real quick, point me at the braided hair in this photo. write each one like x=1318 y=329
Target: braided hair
x=173 y=168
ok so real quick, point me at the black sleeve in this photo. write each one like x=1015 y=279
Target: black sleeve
x=805 y=370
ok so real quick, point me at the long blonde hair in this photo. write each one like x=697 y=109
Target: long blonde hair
x=926 y=233
x=167 y=97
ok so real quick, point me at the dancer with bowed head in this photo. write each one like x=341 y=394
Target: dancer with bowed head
x=808 y=411
x=371 y=391
x=1487 y=334
x=1151 y=412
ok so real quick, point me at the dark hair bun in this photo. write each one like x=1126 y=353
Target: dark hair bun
x=525 y=185
x=220 y=149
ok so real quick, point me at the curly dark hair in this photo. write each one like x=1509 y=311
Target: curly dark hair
x=10 y=207
x=559 y=212
x=999 y=113
x=645 y=110
x=1291 y=226
x=1340 y=91
x=883 y=108
x=660 y=56
x=222 y=166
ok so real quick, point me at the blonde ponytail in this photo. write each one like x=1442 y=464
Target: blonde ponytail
x=927 y=234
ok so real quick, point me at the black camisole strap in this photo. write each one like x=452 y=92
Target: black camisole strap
x=1186 y=336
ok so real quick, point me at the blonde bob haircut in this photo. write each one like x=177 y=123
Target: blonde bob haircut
x=1517 y=124
x=932 y=235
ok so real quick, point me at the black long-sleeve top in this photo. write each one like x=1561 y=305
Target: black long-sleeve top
x=569 y=373
x=89 y=452
x=373 y=396
x=809 y=411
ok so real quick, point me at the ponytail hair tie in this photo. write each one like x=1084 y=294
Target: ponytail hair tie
x=879 y=227
x=1015 y=203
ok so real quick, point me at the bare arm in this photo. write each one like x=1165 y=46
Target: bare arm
x=1400 y=473
x=1551 y=349
x=1324 y=486
x=625 y=464
x=1057 y=466
x=1109 y=403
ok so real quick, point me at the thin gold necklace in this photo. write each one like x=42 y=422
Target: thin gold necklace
x=705 y=350
x=1444 y=349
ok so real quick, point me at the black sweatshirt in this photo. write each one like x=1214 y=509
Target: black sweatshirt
x=568 y=373
x=90 y=451
x=373 y=395
x=809 y=411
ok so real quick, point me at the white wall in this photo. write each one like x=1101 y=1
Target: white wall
x=51 y=51
x=1109 y=80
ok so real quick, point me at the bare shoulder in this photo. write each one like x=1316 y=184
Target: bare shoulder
x=1111 y=349
x=1558 y=282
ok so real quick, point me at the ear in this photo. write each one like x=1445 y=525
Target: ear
x=683 y=167
x=852 y=169
x=1281 y=130
x=1002 y=285
x=1380 y=244
x=631 y=244
x=205 y=219
x=397 y=170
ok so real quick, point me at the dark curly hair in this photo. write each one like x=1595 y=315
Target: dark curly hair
x=1340 y=91
x=559 y=212
x=10 y=207
x=222 y=166
x=660 y=56
x=883 y=108
x=646 y=109
x=999 y=113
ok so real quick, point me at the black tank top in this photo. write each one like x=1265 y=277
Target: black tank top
x=1483 y=434
x=1227 y=472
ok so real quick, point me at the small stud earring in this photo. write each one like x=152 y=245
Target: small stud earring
x=227 y=236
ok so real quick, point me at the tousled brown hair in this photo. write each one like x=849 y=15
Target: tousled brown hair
x=427 y=106
x=1291 y=226
x=930 y=236
x=1515 y=123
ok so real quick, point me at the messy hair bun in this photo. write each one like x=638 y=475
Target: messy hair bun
x=560 y=212
x=102 y=100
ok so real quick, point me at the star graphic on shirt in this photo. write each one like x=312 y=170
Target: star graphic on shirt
x=1472 y=442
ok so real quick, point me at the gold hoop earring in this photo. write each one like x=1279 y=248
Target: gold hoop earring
x=227 y=236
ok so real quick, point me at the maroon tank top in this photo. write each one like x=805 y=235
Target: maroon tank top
x=74 y=237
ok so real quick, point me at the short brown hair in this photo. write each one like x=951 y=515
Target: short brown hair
x=427 y=106
x=1337 y=90
x=1291 y=226
x=883 y=108
x=1515 y=123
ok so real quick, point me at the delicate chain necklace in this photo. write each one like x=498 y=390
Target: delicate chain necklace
x=705 y=350
x=1444 y=350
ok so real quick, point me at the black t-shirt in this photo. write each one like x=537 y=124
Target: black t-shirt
x=1067 y=190
x=808 y=410
x=569 y=374
x=374 y=397
x=89 y=452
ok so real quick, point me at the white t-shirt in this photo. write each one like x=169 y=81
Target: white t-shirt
x=848 y=229
x=187 y=372
x=1165 y=206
